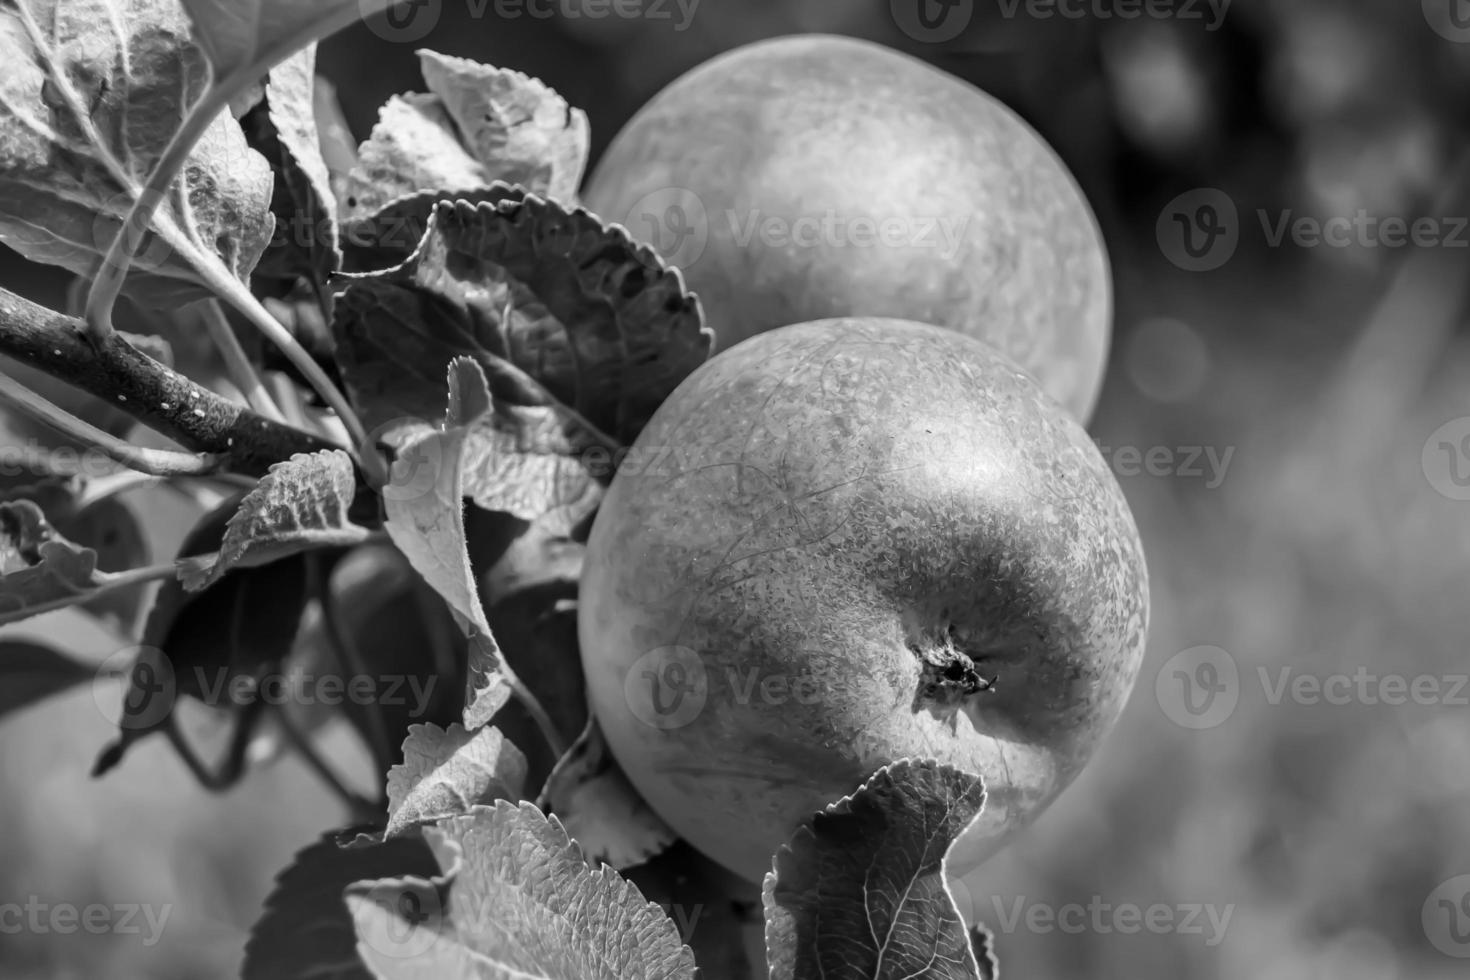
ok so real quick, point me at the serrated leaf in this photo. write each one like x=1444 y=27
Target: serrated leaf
x=245 y=38
x=284 y=131
x=425 y=519
x=40 y=570
x=445 y=772
x=92 y=92
x=299 y=505
x=591 y=795
x=477 y=125
x=305 y=931
x=861 y=891
x=593 y=322
x=521 y=902
x=31 y=671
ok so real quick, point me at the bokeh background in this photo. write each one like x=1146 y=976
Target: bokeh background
x=1330 y=539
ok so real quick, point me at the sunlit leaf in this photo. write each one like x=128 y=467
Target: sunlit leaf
x=91 y=94
x=521 y=902
x=299 y=505
x=446 y=772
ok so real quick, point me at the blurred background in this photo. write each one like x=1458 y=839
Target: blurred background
x=1302 y=410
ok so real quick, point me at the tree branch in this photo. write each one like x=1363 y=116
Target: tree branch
x=160 y=398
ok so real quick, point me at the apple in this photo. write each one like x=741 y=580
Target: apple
x=847 y=542
x=810 y=177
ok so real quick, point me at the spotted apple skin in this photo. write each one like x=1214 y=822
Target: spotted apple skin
x=848 y=542
x=818 y=126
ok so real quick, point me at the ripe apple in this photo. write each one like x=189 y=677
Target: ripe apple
x=847 y=542
x=815 y=176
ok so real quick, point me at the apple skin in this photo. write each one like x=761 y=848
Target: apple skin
x=809 y=519
x=815 y=126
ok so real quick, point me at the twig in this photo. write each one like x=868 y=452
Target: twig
x=242 y=372
x=301 y=743
x=162 y=399
x=108 y=284
x=351 y=660
x=153 y=462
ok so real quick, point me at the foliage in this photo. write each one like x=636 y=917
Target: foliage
x=490 y=346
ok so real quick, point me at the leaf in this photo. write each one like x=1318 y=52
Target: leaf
x=214 y=645
x=39 y=570
x=528 y=576
x=83 y=511
x=446 y=772
x=92 y=92
x=591 y=795
x=299 y=505
x=589 y=322
x=522 y=902
x=861 y=891
x=425 y=519
x=476 y=126
x=284 y=131
x=306 y=931
x=245 y=38
x=30 y=672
